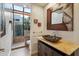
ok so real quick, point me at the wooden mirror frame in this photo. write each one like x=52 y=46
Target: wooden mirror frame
x=57 y=26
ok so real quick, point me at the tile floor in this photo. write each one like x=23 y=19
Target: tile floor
x=19 y=44
x=21 y=52
x=24 y=51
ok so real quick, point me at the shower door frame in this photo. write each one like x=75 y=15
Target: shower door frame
x=24 y=13
x=14 y=20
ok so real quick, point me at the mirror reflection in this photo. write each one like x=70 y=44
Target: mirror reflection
x=57 y=17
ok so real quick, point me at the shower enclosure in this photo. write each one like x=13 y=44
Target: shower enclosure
x=21 y=22
x=18 y=24
x=21 y=26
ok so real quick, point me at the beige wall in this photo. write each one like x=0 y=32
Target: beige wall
x=37 y=13
x=76 y=25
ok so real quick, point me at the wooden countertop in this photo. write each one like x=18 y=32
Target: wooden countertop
x=63 y=46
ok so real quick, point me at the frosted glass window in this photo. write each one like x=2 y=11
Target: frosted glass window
x=57 y=18
x=19 y=8
x=8 y=5
x=28 y=10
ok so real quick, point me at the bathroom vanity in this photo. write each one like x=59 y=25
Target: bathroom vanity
x=61 y=48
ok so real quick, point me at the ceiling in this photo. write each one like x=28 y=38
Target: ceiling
x=41 y=4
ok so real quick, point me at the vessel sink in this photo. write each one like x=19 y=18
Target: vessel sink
x=52 y=38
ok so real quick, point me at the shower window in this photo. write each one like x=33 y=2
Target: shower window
x=27 y=10
x=8 y=6
x=18 y=8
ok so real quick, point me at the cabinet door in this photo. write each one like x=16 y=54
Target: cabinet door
x=44 y=50
x=48 y=51
x=41 y=48
x=51 y=52
x=55 y=53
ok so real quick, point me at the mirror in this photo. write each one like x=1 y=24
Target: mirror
x=2 y=21
x=60 y=18
x=57 y=17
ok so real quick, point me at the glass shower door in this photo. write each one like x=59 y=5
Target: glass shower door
x=27 y=25
x=18 y=24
